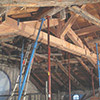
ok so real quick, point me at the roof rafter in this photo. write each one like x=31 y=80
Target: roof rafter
x=85 y=15
x=71 y=34
x=39 y=3
x=87 y=30
x=69 y=23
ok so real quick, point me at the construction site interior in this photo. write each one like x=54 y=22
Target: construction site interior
x=49 y=49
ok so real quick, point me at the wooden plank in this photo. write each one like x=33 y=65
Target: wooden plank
x=87 y=30
x=50 y=3
x=85 y=15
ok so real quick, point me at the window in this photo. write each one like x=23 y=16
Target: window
x=5 y=85
x=76 y=97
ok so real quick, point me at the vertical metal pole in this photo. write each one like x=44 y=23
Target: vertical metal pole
x=49 y=67
x=21 y=67
x=92 y=82
x=69 y=77
x=30 y=61
x=98 y=65
x=46 y=90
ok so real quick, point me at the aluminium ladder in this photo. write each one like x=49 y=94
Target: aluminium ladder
x=24 y=65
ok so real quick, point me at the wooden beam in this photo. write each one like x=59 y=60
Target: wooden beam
x=86 y=67
x=53 y=76
x=69 y=23
x=41 y=81
x=78 y=42
x=36 y=23
x=31 y=33
x=8 y=57
x=74 y=80
x=52 y=11
x=7 y=38
x=75 y=39
x=85 y=15
x=87 y=30
x=94 y=41
x=7 y=30
x=36 y=84
x=51 y=3
x=17 y=11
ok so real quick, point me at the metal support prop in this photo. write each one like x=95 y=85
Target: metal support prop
x=46 y=90
x=49 y=67
x=21 y=68
x=98 y=65
x=30 y=61
x=92 y=77
x=69 y=77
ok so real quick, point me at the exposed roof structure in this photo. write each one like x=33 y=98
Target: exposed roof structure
x=74 y=29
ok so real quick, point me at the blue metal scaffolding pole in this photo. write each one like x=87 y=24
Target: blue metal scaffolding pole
x=30 y=61
x=21 y=68
x=98 y=63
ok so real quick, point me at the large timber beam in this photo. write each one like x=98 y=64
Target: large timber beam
x=87 y=30
x=85 y=15
x=69 y=23
x=31 y=33
x=45 y=3
x=71 y=34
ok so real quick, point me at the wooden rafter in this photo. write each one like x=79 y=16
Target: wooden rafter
x=69 y=23
x=75 y=81
x=87 y=30
x=78 y=42
x=85 y=67
x=85 y=15
x=39 y=3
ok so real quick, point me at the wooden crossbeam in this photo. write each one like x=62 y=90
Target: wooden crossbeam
x=7 y=30
x=69 y=23
x=78 y=42
x=31 y=33
x=87 y=30
x=51 y=11
x=50 y=3
x=85 y=15
x=94 y=41
x=16 y=11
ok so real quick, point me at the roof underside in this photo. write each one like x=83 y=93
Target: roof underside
x=74 y=29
